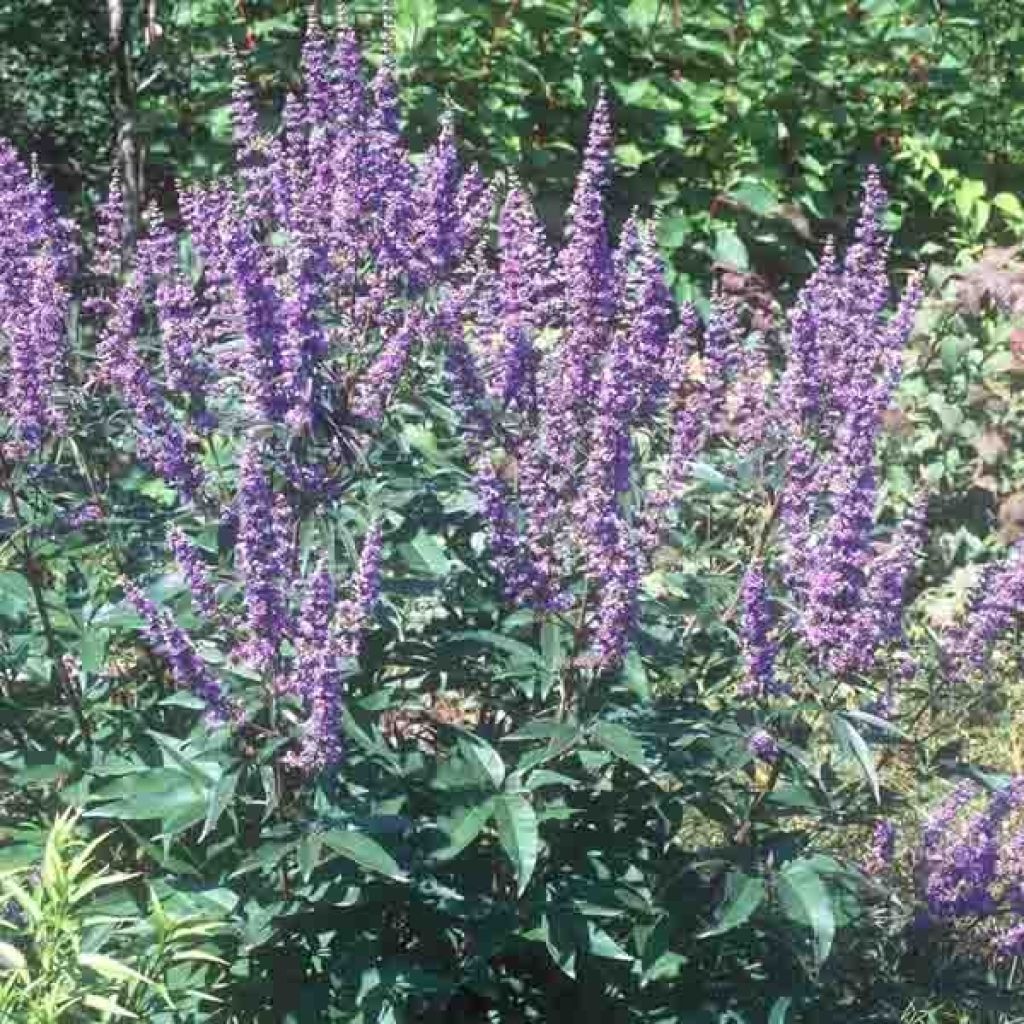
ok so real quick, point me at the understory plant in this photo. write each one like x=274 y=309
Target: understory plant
x=76 y=945
x=485 y=635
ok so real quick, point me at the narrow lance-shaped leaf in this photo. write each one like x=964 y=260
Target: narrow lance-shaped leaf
x=518 y=834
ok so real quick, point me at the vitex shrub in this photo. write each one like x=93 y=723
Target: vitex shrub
x=488 y=637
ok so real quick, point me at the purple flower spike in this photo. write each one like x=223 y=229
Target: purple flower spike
x=586 y=272
x=883 y=848
x=1010 y=943
x=36 y=261
x=324 y=647
x=722 y=354
x=505 y=543
x=474 y=205
x=759 y=650
x=998 y=601
x=963 y=862
x=526 y=264
x=379 y=383
x=107 y=254
x=205 y=212
x=616 y=605
x=689 y=428
x=190 y=560
x=182 y=325
x=878 y=622
x=321 y=681
x=313 y=631
x=263 y=558
x=257 y=307
x=161 y=440
x=469 y=396
x=349 y=103
x=940 y=821
x=803 y=383
x=438 y=228
x=390 y=180
x=316 y=76
x=543 y=527
x=304 y=342
x=607 y=472
x=648 y=313
x=187 y=669
x=356 y=612
x=251 y=144
x=625 y=255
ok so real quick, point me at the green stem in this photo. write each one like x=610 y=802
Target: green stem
x=63 y=678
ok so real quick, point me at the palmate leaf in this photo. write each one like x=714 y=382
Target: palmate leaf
x=568 y=934
x=618 y=740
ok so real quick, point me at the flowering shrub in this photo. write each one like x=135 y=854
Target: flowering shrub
x=488 y=637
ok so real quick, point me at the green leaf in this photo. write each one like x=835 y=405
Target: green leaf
x=11 y=958
x=967 y=195
x=805 y=899
x=744 y=896
x=518 y=834
x=479 y=750
x=622 y=743
x=15 y=594
x=672 y=230
x=111 y=969
x=714 y=479
x=308 y=854
x=424 y=554
x=730 y=250
x=1009 y=204
x=601 y=944
x=852 y=744
x=413 y=20
x=553 y=654
x=464 y=828
x=167 y=795
x=364 y=851
x=220 y=796
x=509 y=645
x=565 y=933
x=780 y=1010
x=755 y=196
x=643 y=14
x=108 y=1006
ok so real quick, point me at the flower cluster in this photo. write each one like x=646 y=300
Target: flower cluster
x=996 y=603
x=971 y=862
x=585 y=392
x=187 y=669
x=560 y=374
x=763 y=746
x=882 y=850
x=319 y=275
x=36 y=262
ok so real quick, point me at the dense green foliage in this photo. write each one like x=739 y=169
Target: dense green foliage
x=746 y=125
x=517 y=832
